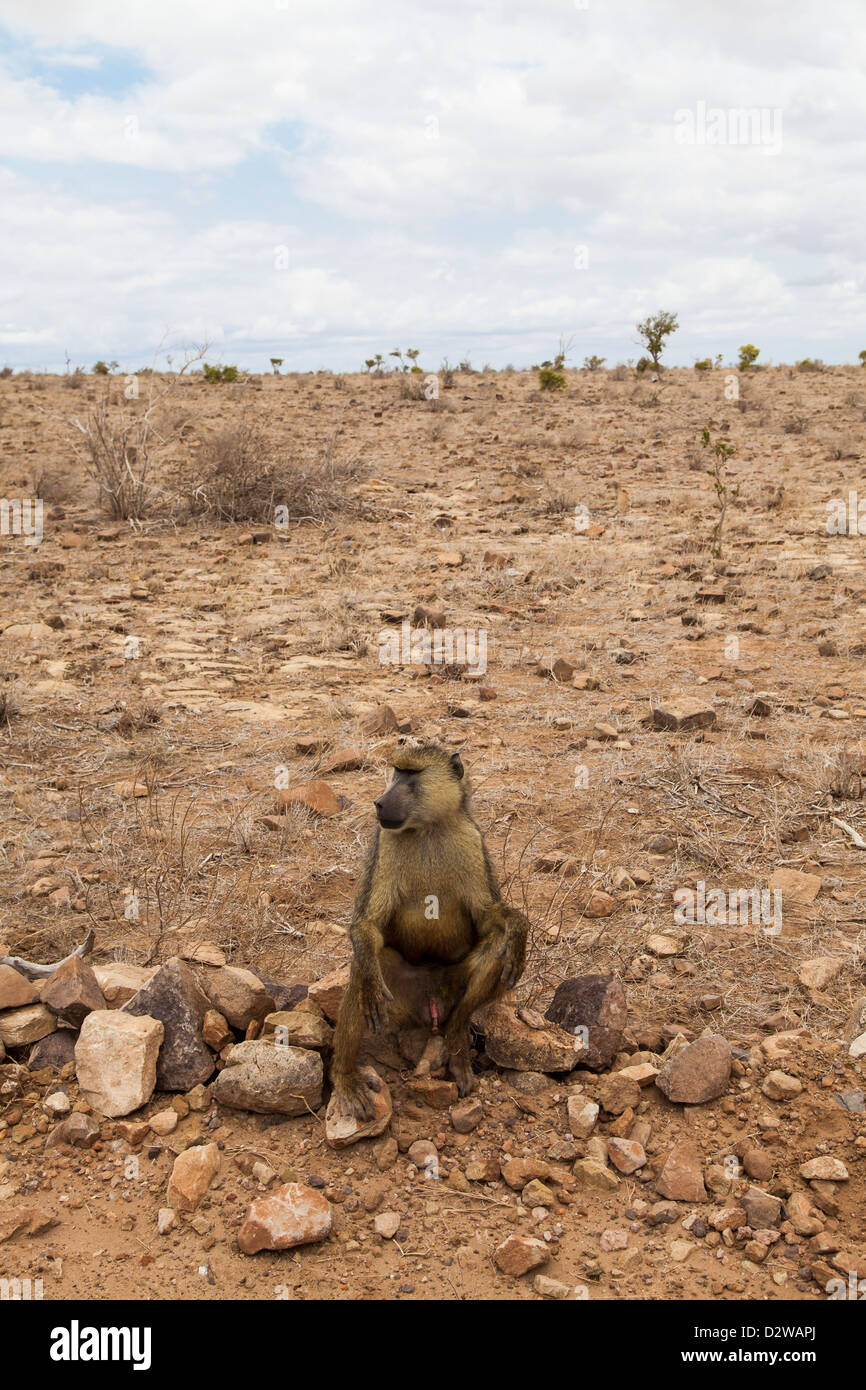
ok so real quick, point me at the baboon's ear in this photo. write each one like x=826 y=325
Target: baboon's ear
x=457 y=765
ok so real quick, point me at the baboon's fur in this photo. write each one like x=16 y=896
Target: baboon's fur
x=432 y=938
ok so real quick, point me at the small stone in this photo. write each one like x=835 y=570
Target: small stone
x=166 y=1220
x=343 y=1130
x=439 y=1095
x=26 y=1025
x=698 y=1073
x=509 y=1042
x=328 y=992
x=174 y=997
x=56 y=1050
x=291 y=1215
x=164 y=1122
x=537 y=1194
x=593 y=1009
x=626 y=1155
x=386 y=1224
x=270 y=1080
x=15 y=989
x=72 y=992
x=517 y=1172
x=681 y=1177
x=316 y=796
x=81 y=1131
x=682 y=714
x=466 y=1115
x=299 y=1028
x=119 y=982
x=780 y=1086
x=796 y=887
x=582 y=1116
x=617 y=1093
x=192 y=1174
x=824 y=1169
x=550 y=1288
x=763 y=1211
x=613 y=1240
x=818 y=972
x=518 y=1255
x=595 y=1176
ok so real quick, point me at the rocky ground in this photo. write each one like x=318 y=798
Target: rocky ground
x=196 y=719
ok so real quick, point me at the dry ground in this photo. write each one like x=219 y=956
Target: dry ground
x=465 y=503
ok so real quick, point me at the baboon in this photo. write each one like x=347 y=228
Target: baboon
x=432 y=938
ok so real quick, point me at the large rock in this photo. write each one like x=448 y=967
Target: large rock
x=120 y=982
x=681 y=1178
x=192 y=1174
x=700 y=1072
x=116 y=1060
x=15 y=989
x=818 y=972
x=27 y=1025
x=342 y=1130
x=328 y=992
x=762 y=1209
x=72 y=992
x=292 y=1215
x=519 y=1254
x=512 y=1043
x=54 y=1050
x=174 y=997
x=299 y=1028
x=683 y=713
x=596 y=1004
x=269 y=1079
x=238 y=995
x=284 y=996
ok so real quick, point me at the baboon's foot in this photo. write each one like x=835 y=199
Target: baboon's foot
x=460 y=1068
x=353 y=1096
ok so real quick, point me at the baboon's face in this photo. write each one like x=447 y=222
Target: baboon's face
x=418 y=797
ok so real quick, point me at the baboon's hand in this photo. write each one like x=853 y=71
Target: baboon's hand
x=353 y=1096
x=512 y=951
x=375 y=998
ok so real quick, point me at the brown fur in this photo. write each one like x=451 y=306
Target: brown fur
x=433 y=940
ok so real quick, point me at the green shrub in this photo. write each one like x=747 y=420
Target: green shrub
x=653 y=330
x=216 y=374
x=862 y=357
x=549 y=380
x=593 y=364
x=705 y=364
x=810 y=364
x=643 y=364
x=748 y=356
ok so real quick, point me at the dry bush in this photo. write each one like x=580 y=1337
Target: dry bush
x=240 y=475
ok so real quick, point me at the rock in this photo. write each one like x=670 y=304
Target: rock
x=81 y=1131
x=599 y=904
x=204 y=953
x=342 y=1130
x=612 y=1239
x=116 y=1060
x=681 y=1178
x=796 y=887
x=729 y=1218
x=550 y=1288
x=316 y=796
x=582 y=1115
x=626 y=1155
x=381 y=720
x=819 y=971
x=192 y=1174
x=198 y=1098
x=824 y=1169
x=529 y=1083
x=801 y=1215
x=758 y=1164
x=164 y=1122
x=238 y=995
x=700 y=1072
x=53 y=1051
x=270 y=1080
x=597 y=1004
x=763 y=1211
x=466 y=1115
x=518 y=1255
x=596 y=1176
x=684 y=713
x=681 y=1250
x=29 y=1221
x=119 y=982
x=15 y=989
x=345 y=760
x=517 y=1172
x=509 y=1042
x=57 y=1104
x=166 y=1220
x=858 y=1047
x=284 y=996
x=642 y=1072
x=215 y=1030
x=26 y=1025
x=617 y=1093
x=173 y=996
x=72 y=992
x=387 y=1224
x=483 y=1170
x=439 y=1095
x=328 y=992
x=299 y=1028
x=293 y=1214
x=133 y=1131
x=780 y=1086
x=662 y=946
x=537 y=1194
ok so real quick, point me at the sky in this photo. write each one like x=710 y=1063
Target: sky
x=323 y=182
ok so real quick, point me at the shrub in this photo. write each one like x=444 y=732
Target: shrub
x=216 y=374
x=810 y=364
x=549 y=380
x=748 y=356
x=643 y=364
x=705 y=364
x=104 y=368
x=861 y=356
x=593 y=364
x=653 y=330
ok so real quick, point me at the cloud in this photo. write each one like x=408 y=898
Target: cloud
x=431 y=174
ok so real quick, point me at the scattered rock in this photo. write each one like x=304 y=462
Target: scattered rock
x=72 y=992
x=15 y=989
x=293 y=1214
x=618 y=1093
x=824 y=1169
x=796 y=887
x=342 y=1130
x=681 y=1178
x=316 y=796
x=518 y=1255
x=54 y=1051
x=699 y=1073
x=386 y=1224
x=466 y=1115
x=80 y=1131
x=818 y=972
x=596 y=1176
x=509 y=1042
x=328 y=992
x=173 y=996
x=238 y=995
x=780 y=1086
x=299 y=1028
x=26 y=1025
x=192 y=1174
x=684 y=713
x=763 y=1211
x=582 y=1116
x=119 y=982
x=626 y=1155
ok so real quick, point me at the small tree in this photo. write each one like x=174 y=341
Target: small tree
x=276 y=363
x=653 y=331
x=862 y=357
x=593 y=364
x=748 y=356
x=720 y=452
x=103 y=368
